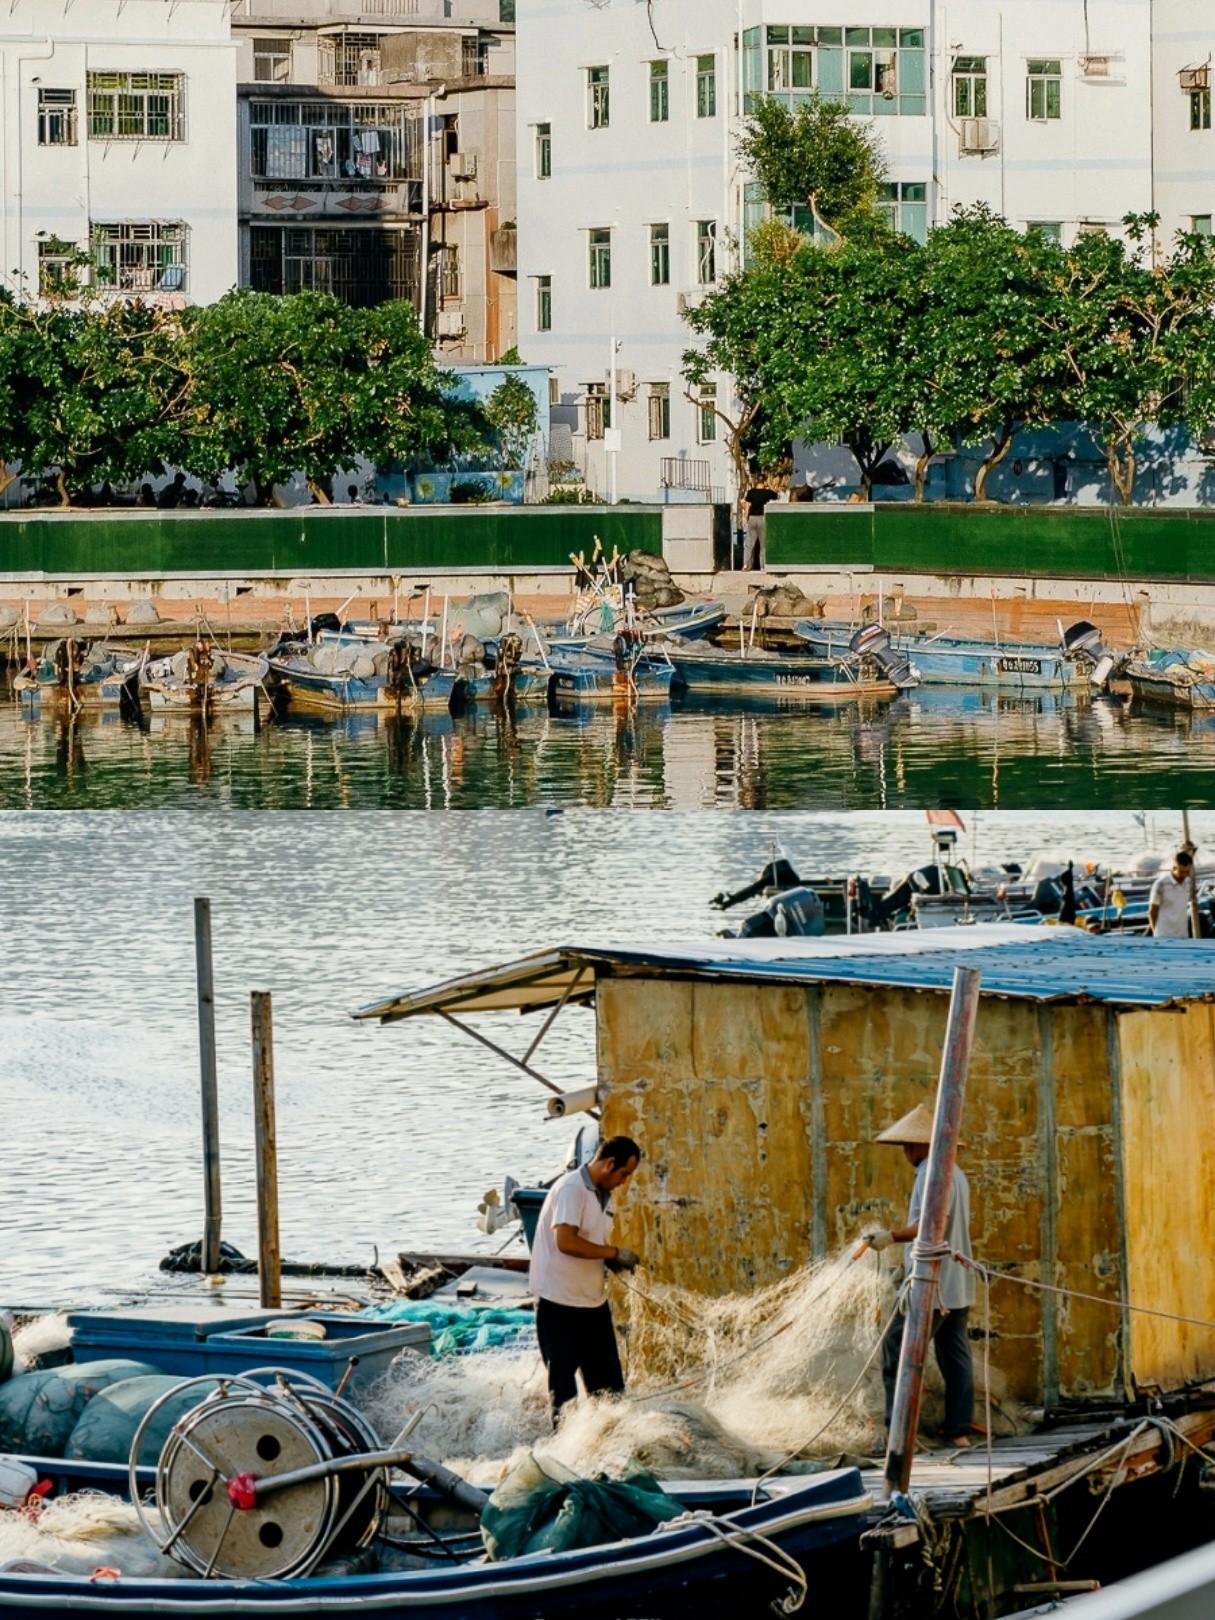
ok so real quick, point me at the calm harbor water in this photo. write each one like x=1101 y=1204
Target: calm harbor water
x=935 y=748
x=387 y=1136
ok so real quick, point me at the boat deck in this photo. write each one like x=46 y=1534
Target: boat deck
x=1024 y=1468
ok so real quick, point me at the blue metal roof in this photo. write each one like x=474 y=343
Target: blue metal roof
x=1029 y=964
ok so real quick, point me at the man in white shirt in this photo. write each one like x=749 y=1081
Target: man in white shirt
x=570 y=1256
x=955 y=1285
x=1169 y=901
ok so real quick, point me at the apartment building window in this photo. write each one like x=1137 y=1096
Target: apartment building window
x=1050 y=230
x=146 y=256
x=544 y=303
x=791 y=59
x=600 y=247
x=598 y=103
x=1044 y=89
x=660 y=255
x=598 y=410
x=970 y=87
x=1200 y=109
x=58 y=271
x=475 y=57
x=450 y=285
x=706 y=413
x=706 y=252
x=1200 y=224
x=330 y=140
x=706 y=87
x=362 y=266
x=904 y=206
x=544 y=151
x=887 y=71
x=660 y=93
x=136 y=106
x=272 y=61
x=506 y=11
x=660 y=410
x=348 y=60
x=56 y=117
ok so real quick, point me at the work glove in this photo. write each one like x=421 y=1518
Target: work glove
x=626 y=1260
x=878 y=1239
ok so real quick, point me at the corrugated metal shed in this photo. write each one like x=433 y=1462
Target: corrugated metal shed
x=1028 y=964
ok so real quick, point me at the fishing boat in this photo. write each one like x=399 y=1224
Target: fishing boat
x=1182 y=680
x=592 y=675
x=689 y=621
x=865 y=666
x=201 y=679
x=721 y=1547
x=945 y=660
x=341 y=673
x=86 y=674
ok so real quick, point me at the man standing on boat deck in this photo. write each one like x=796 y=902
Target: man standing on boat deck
x=1169 y=901
x=955 y=1287
x=570 y=1255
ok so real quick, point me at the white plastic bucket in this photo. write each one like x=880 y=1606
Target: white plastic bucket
x=17 y=1480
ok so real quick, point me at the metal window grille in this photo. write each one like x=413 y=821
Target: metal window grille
x=660 y=255
x=706 y=87
x=680 y=472
x=474 y=57
x=598 y=111
x=333 y=140
x=601 y=258
x=970 y=87
x=598 y=410
x=140 y=256
x=136 y=106
x=58 y=273
x=272 y=61
x=706 y=252
x=544 y=303
x=660 y=93
x=660 y=410
x=348 y=59
x=56 y=117
x=1044 y=90
x=449 y=271
x=361 y=266
x=544 y=151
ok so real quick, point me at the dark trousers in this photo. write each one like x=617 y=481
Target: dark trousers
x=578 y=1339
x=952 y=1346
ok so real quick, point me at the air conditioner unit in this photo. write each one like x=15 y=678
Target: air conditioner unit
x=462 y=165
x=449 y=323
x=626 y=384
x=1096 y=67
x=980 y=135
x=685 y=301
x=1196 y=78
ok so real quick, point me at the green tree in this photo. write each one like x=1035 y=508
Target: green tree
x=815 y=156
x=304 y=384
x=514 y=419
x=1135 y=340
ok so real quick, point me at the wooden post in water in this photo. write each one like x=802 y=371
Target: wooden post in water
x=212 y=1205
x=269 y=1255
x=934 y=1217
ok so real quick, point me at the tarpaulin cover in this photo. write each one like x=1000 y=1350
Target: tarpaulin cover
x=460 y=1329
x=538 y=1509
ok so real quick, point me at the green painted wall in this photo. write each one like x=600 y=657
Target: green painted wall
x=1092 y=542
x=378 y=540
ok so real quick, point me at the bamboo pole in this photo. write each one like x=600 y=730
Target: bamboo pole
x=212 y=1204
x=934 y=1217
x=269 y=1255
x=1195 y=918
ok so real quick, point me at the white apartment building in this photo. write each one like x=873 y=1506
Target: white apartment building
x=118 y=136
x=1062 y=115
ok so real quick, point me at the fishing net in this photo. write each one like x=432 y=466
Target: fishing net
x=81 y=1533
x=717 y=1388
x=542 y=1508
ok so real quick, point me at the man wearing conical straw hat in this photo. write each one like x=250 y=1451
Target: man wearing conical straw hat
x=955 y=1287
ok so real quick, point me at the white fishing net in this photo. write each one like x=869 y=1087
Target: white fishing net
x=39 y=1337
x=81 y=1533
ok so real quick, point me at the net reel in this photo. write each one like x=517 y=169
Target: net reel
x=269 y=1475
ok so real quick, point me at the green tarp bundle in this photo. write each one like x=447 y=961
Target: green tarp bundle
x=543 y=1508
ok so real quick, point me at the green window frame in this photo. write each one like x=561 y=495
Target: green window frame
x=544 y=303
x=706 y=86
x=598 y=97
x=660 y=410
x=706 y=413
x=1044 y=89
x=544 y=151
x=1200 y=109
x=660 y=92
x=970 y=87
x=660 y=255
x=1200 y=224
x=1050 y=230
x=706 y=252
x=904 y=206
x=599 y=248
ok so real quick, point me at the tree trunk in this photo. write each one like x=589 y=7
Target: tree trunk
x=1123 y=465
x=999 y=451
x=319 y=493
x=65 y=498
x=921 y=467
x=7 y=479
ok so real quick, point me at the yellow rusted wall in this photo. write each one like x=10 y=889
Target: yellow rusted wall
x=1168 y=1104
x=758 y=1105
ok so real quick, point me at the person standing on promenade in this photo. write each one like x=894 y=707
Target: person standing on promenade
x=955 y=1286
x=571 y=1254
x=1169 y=901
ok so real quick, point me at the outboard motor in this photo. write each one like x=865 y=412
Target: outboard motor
x=795 y=914
x=873 y=641
x=1082 y=643
x=778 y=874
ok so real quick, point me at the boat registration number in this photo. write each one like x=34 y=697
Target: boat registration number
x=1019 y=666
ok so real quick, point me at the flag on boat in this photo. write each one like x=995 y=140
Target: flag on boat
x=946 y=818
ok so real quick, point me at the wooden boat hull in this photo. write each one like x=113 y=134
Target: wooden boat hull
x=771 y=674
x=1169 y=684
x=954 y=661
x=681 y=1569
x=235 y=689
x=310 y=689
x=597 y=680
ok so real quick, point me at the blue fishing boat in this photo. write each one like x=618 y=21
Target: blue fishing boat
x=201 y=679
x=1181 y=680
x=783 y=675
x=721 y=1548
x=943 y=660
x=83 y=674
x=593 y=676
x=341 y=674
x=690 y=621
